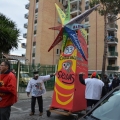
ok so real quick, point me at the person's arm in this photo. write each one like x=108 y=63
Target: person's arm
x=28 y=89
x=47 y=77
x=112 y=84
x=11 y=85
x=104 y=91
x=81 y=79
x=108 y=81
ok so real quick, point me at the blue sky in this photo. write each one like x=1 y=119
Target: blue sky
x=15 y=10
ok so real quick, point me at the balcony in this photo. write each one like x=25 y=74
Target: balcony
x=73 y=1
x=75 y=10
x=86 y=0
x=112 y=27
x=112 y=41
x=26 y=15
x=86 y=7
x=27 y=6
x=36 y=16
x=112 y=67
x=112 y=54
x=25 y=25
x=25 y=35
x=112 y=16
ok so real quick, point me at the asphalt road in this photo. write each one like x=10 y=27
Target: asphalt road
x=21 y=110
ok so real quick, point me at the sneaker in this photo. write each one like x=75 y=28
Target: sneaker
x=32 y=113
x=40 y=114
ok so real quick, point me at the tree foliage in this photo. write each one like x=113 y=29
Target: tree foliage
x=8 y=34
x=111 y=8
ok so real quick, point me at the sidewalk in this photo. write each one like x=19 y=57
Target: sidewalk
x=22 y=96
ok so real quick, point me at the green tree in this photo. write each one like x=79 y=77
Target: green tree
x=8 y=34
x=111 y=8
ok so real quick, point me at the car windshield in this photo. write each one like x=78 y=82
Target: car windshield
x=109 y=108
x=25 y=75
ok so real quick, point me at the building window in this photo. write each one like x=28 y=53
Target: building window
x=111 y=62
x=35 y=31
x=111 y=48
x=35 y=21
x=36 y=10
x=58 y=51
x=86 y=19
x=33 y=61
x=33 y=54
x=37 y=1
x=34 y=50
x=34 y=43
x=111 y=33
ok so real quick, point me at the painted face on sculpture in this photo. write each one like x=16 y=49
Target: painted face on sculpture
x=66 y=74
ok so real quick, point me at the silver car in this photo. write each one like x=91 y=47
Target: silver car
x=107 y=108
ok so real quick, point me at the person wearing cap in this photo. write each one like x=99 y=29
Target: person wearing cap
x=115 y=82
x=37 y=88
x=94 y=89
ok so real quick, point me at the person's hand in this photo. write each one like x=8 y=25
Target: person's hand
x=81 y=73
x=1 y=83
x=41 y=86
x=54 y=74
x=28 y=94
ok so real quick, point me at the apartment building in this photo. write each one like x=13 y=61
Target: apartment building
x=42 y=15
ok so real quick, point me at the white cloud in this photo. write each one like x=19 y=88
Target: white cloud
x=15 y=10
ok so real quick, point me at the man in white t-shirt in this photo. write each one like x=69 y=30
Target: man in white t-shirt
x=94 y=89
x=37 y=88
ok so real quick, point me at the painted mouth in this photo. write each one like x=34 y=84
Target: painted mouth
x=66 y=78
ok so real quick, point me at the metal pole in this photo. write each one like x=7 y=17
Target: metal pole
x=96 y=41
x=18 y=73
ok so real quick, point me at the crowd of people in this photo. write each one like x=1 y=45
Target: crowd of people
x=95 y=89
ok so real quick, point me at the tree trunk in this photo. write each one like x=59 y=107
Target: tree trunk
x=105 y=47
